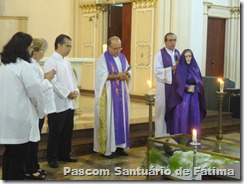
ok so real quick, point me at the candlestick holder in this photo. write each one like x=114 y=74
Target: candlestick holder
x=150 y=101
x=218 y=148
x=221 y=95
x=194 y=144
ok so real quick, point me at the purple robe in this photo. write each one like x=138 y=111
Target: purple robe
x=186 y=110
x=121 y=135
x=167 y=62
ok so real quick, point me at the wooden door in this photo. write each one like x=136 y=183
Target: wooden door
x=119 y=24
x=215 y=47
x=114 y=21
x=126 y=30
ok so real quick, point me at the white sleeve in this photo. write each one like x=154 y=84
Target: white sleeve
x=58 y=88
x=101 y=75
x=162 y=74
x=33 y=89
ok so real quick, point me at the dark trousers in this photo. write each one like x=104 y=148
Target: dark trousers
x=60 y=135
x=13 y=167
x=32 y=164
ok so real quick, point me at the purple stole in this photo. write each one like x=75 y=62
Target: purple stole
x=117 y=98
x=167 y=62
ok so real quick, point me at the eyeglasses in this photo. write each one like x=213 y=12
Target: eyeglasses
x=42 y=50
x=116 y=49
x=67 y=46
x=171 y=40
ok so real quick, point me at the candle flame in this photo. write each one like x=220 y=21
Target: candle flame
x=194 y=135
x=220 y=80
x=149 y=83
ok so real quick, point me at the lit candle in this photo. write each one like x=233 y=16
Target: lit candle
x=150 y=86
x=221 y=85
x=105 y=47
x=194 y=135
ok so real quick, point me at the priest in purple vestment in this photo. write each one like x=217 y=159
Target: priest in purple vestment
x=112 y=101
x=165 y=63
x=187 y=107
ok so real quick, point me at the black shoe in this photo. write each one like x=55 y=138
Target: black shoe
x=69 y=159
x=121 y=151
x=43 y=172
x=108 y=156
x=53 y=164
x=35 y=176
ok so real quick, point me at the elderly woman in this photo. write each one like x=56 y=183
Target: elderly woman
x=33 y=170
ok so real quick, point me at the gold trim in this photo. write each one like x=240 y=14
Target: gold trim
x=143 y=3
x=234 y=11
x=103 y=122
x=92 y=8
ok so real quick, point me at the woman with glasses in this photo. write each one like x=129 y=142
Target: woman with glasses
x=33 y=170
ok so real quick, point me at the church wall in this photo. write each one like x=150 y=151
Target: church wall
x=12 y=24
x=142 y=47
x=196 y=38
x=48 y=18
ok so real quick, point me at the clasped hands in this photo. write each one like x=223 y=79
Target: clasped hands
x=123 y=75
x=191 y=89
x=73 y=95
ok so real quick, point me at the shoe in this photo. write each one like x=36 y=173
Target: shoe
x=107 y=156
x=69 y=159
x=121 y=151
x=35 y=176
x=43 y=172
x=53 y=164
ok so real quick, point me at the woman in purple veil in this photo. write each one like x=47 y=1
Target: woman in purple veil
x=186 y=108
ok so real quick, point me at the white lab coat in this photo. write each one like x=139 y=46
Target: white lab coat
x=21 y=103
x=47 y=88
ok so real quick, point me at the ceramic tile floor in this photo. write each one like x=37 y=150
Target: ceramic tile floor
x=97 y=163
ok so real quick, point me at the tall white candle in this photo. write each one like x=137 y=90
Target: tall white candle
x=150 y=86
x=221 y=85
x=194 y=135
x=105 y=47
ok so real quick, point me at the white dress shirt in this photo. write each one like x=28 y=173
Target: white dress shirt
x=63 y=83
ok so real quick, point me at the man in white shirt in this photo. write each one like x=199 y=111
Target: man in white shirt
x=165 y=61
x=65 y=87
